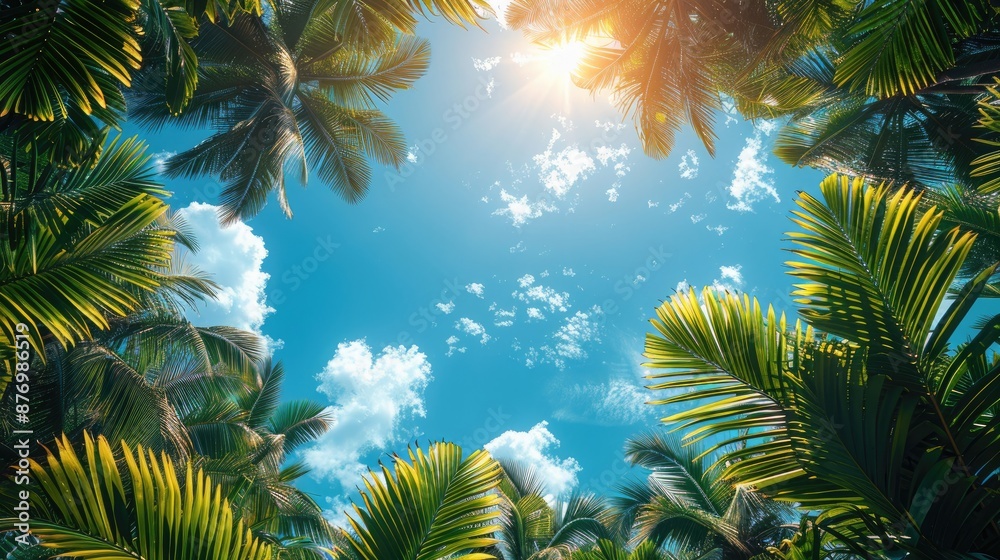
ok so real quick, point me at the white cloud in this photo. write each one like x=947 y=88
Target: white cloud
x=572 y=337
x=732 y=273
x=688 y=166
x=233 y=255
x=485 y=64
x=731 y=278
x=612 y=194
x=378 y=229
x=475 y=289
x=695 y=218
x=544 y=274
x=371 y=399
x=618 y=402
x=547 y=296
x=559 y=171
x=499 y=8
x=535 y=313
x=159 y=160
x=652 y=204
x=683 y=286
x=411 y=154
x=473 y=328
x=452 y=342
x=751 y=177
x=680 y=202
x=608 y=155
x=568 y=272
x=767 y=127
x=519 y=210
x=446 y=308
x=526 y=280
x=720 y=229
x=532 y=448
x=609 y=125
x=504 y=317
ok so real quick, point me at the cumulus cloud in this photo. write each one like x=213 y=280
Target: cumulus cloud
x=473 y=328
x=446 y=308
x=532 y=448
x=688 y=167
x=617 y=402
x=652 y=204
x=475 y=289
x=719 y=229
x=767 y=127
x=730 y=278
x=526 y=280
x=535 y=313
x=752 y=180
x=612 y=193
x=371 y=398
x=695 y=218
x=233 y=255
x=732 y=273
x=568 y=272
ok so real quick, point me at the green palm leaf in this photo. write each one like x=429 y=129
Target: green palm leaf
x=78 y=49
x=434 y=505
x=83 y=250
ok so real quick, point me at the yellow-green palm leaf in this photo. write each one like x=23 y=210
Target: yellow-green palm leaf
x=435 y=505
x=95 y=508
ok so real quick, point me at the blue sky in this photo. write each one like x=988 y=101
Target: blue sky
x=496 y=290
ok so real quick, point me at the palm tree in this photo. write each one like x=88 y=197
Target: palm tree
x=872 y=414
x=289 y=95
x=685 y=505
x=244 y=439
x=298 y=93
x=872 y=89
x=647 y=550
x=536 y=526
x=69 y=62
x=83 y=247
x=664 y=63
x=92 y=507
x=435 y=505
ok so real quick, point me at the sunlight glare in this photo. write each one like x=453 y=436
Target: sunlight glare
x=563 y=59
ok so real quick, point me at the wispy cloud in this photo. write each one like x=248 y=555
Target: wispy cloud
x=752 y=181
x=688 y=167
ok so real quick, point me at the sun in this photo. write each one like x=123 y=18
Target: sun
x=564 y=58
